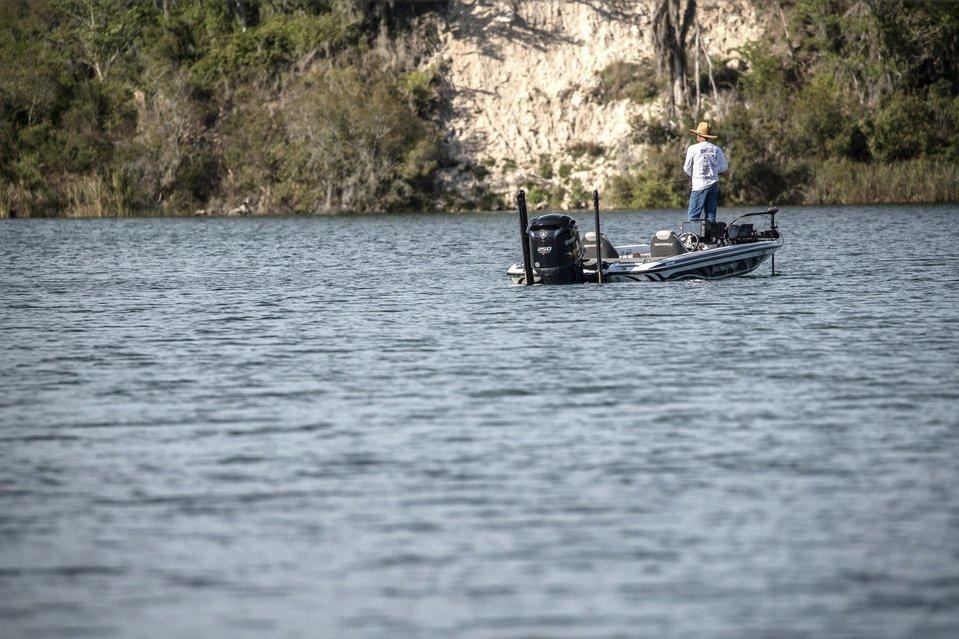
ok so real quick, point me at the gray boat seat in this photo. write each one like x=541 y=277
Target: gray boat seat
x=589 y=245
x=665 y=244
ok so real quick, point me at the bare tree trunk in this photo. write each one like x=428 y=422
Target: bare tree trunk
x=782 y=18
x=671 y=22
x=696 y=72
x=246 y=12
x=384 y=11
x=712 y=81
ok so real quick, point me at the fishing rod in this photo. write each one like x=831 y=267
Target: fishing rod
x=669 y=182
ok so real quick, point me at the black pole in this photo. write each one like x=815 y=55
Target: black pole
x=772 y=258
x=599 y=244
x=524 y=240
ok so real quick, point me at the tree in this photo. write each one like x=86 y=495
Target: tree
x=356 y=143
x=671 y=22
x=101 y=32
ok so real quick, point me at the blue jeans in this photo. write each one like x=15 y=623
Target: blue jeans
x=704 y=201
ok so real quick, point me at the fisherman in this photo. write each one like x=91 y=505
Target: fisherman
x=704 y=162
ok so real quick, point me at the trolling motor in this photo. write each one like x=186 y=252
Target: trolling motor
x=746 y=232
x=742 y=233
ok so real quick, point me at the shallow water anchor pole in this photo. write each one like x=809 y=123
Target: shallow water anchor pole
x=523 y=224
x=599 y=245
x=772 y=223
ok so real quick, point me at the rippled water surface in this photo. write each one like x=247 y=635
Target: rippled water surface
x=355 y=427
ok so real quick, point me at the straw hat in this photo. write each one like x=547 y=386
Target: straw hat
x=703 y=131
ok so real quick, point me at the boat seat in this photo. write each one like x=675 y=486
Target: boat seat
x=589 y=245
x=665 y=244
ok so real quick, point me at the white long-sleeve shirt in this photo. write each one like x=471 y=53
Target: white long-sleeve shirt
x=704 y=162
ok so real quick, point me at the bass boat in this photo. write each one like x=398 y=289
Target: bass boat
x=554 y=252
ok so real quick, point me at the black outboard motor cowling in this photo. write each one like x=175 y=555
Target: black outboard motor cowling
x=556 y=249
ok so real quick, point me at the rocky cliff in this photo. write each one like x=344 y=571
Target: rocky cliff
x=526 y=102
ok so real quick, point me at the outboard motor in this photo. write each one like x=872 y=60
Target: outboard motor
x=556 y=249
x=665 y=244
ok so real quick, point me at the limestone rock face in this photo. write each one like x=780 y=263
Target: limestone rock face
x=523 y=76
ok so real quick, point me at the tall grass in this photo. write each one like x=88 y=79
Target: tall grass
x=93 y=196
x=16 y=200
x=916 y=181
x=70 y=196
x=9 y=199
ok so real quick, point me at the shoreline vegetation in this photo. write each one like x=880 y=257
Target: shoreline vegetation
x=243 y=107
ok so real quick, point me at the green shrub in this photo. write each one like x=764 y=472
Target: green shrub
x=765 y=74
x=587 y=149
x=656 y=184
x=900 y=130
x=536 y=194
x=479 y=172
x=545 y=168
x=578 y=192
x=634 y=81
x=420 y=87
x=943 y=121
x=821 y=122
x=551 y=196
x=651 y=131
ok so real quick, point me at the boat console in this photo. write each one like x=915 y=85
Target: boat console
x=708 y=232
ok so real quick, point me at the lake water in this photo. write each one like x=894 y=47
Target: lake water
x=356 y=427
